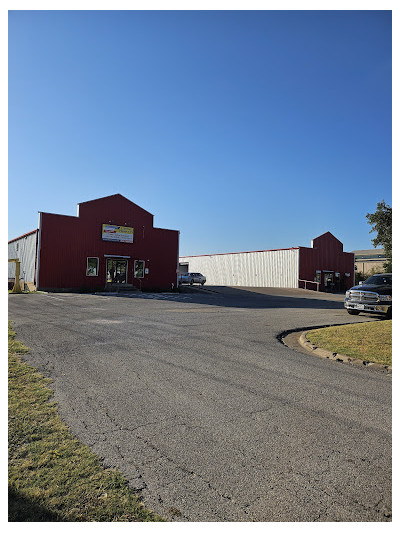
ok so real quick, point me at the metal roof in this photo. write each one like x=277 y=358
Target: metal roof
x=248 y=252
x=22 y=236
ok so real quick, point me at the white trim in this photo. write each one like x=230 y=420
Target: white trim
x=119 y=256
x=298 y=267
x=38 y=251
x=134 y=268
x=177 y=263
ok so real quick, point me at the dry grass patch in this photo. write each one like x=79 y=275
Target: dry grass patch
x=371 y=341
x=52 y=476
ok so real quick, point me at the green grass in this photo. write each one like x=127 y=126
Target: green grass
x=371 y=341
x=52 y=476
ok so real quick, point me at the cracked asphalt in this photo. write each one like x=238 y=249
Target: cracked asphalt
x=206 y=413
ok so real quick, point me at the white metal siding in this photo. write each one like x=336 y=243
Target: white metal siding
x=23 y=249
x=271 y=268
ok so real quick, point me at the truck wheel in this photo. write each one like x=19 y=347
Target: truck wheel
x=353 y=312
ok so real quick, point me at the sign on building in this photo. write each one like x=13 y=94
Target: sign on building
x=116 y=233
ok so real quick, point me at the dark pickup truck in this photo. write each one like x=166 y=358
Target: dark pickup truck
x=372 y=296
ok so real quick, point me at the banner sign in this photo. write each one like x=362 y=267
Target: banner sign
x=116 y=233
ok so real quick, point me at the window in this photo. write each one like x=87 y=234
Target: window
x=318 y=276
x=379 y=280
x=92 y=267
x=139 y=269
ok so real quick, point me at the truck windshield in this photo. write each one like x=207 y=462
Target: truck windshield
x=379 y=280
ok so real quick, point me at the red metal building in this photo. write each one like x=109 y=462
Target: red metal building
x=110 y=243
x=326 y=263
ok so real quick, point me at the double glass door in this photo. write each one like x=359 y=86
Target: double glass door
x=117 y=270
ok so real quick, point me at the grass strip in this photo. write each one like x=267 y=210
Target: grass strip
x=371 y=341
x=52 y=476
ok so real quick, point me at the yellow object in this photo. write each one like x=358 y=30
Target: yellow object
x=17 y=286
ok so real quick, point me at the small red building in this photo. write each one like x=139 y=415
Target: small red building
x=111 y=243
x=326 y=263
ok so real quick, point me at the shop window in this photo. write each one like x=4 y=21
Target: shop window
x=139 y=269
x=92 y=267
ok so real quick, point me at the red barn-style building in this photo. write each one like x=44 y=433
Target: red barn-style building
x=111 y=243
x=326 y=263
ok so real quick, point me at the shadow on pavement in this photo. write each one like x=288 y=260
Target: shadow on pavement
x=252 y=298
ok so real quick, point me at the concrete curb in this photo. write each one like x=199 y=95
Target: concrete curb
x=326 y=354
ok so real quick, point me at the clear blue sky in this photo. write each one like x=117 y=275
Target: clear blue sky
x=245 y=130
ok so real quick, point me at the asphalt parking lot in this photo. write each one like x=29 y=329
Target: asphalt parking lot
x=206 y=413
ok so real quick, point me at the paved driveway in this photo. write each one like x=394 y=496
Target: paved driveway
x=206 y=413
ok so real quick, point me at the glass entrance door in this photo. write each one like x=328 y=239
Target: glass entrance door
x=328 y=280
x=117 y=270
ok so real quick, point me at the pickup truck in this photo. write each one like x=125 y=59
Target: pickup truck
x=371 y=296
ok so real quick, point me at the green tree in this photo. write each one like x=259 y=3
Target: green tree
x=381 y=222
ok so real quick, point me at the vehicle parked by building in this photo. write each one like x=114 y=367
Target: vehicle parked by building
x=371 y=296
x=191 y=278
x=322 y=267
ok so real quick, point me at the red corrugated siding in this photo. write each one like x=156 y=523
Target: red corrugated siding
x=67 y=241
x=327 y=254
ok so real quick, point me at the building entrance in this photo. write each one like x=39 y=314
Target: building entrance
x=117 y=270
x=329 y=283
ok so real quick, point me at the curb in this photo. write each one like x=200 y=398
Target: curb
x=326 y=354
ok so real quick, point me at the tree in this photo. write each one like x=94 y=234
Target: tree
x=381 y=222
x=360 y=276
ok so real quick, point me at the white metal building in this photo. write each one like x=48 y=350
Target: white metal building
x=24 y=249
x=267 y=268
x=323 y=266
